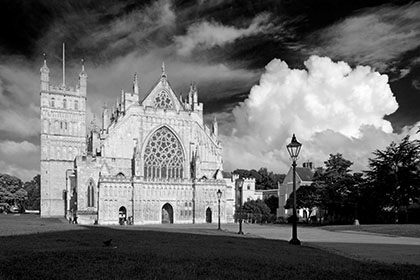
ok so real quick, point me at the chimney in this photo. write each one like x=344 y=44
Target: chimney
x=309 y=165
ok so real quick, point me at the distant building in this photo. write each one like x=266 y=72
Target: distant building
x=271 y=192
x=248 y=189
x=150 y=159
x=304 y=177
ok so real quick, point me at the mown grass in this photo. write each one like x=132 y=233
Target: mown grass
x=407 y=230
x=141 y=254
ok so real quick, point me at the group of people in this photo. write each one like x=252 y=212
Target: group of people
x=124 y=221
x=72 y=219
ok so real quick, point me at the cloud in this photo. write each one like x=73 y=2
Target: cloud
x=21 y=173
x=416 y=83
x=14 y=148
x=213 y=80
x=329 y=105
x=375 y=36
x=204 y=35
x=19 y=159
x=102 y=32
x=129 y=30
x=19 y=99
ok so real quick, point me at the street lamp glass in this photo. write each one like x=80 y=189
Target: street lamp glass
x=219 y=194
x=294 y=148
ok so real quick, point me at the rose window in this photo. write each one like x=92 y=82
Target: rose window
x=163 y=101
x=163 y=156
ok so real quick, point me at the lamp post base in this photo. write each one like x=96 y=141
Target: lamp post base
x=294 y=241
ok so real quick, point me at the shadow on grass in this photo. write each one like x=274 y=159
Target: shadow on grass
x=147 y=254
x=387 y=253
x=407 y=230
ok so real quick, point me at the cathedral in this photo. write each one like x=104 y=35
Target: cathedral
x=151 y=158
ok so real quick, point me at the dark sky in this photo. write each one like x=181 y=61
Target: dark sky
x=225 y=47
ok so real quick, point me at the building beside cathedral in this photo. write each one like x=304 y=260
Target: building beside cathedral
x=150 y=160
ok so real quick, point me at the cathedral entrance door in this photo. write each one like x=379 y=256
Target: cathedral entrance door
x=122 y=215
x=167 y=214
x=208 y=215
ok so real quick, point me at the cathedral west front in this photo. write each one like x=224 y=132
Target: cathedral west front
x=149 y=159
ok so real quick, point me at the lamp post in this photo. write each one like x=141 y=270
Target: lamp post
x=239 y=184
x=219 y=195
x=294 y=148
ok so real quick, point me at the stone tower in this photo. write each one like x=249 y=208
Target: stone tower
x=63 y=137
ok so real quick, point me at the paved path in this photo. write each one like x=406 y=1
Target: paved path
x=354 y=244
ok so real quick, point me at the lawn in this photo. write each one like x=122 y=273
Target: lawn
x=78 y=253
x=408 y=230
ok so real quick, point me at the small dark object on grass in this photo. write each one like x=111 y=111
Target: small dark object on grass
x=107 y=243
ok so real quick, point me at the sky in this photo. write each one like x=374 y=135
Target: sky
x=344 y=76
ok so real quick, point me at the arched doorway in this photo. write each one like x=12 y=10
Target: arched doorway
x=208 y=215
x=167 y=214
x=122 y=215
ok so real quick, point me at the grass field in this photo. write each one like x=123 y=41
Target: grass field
x=78 y=253
x=408 y=230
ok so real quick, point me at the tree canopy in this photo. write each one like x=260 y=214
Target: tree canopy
x=255 y=211
x=11 y=189
x=33 y=189
x=334 y=190
x=394 y=175
x=264 y=179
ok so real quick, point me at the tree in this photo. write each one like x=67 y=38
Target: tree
x=336 y=189
x=255 y=211
x=11 y=190
x=307 y=197
x=264 y=179
x=394 y=175
x=33 y=189
x=273 y=203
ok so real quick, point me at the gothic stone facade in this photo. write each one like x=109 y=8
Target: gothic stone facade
x=152 y=159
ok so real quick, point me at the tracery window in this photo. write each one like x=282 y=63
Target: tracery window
x=163 y=156
x=163 y=101
x=91 y=194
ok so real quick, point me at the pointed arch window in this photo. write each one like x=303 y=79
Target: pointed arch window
x=53 y=102
x=91 y=194
x=76 y=105
x=163 y=101
x=64 y=103
x=163 y=156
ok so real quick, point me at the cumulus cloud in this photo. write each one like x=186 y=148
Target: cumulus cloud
x=19 y=159
x=19 y=95
x=375 y=36
x=329 y=105
x=206 y=34
x=13 y=148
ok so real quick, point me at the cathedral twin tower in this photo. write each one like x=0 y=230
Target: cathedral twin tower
x=152 y=160
x=63 y=137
